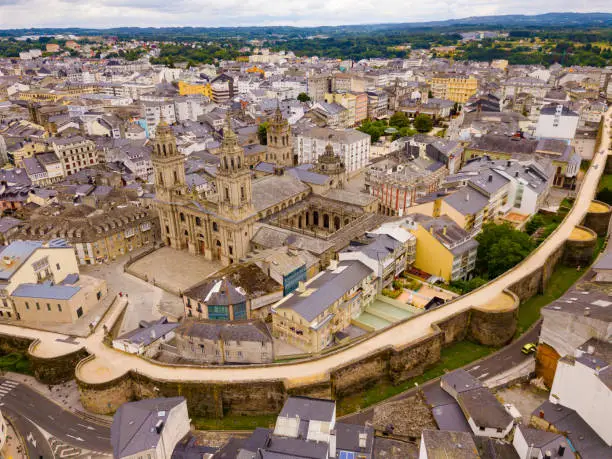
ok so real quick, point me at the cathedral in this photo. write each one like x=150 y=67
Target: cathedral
x=221 y=225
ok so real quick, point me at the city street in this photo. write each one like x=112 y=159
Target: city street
x=30 y=409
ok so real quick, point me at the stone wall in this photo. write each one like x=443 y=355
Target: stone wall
x=579 y=253
x=10 y=344
x=599 y=221
x=56 y=370
x=414 y=359
x=492 y=328
x=536 y=282
x=105 y=398
x=357 y=376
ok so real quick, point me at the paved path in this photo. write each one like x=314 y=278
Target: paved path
x=110 y=364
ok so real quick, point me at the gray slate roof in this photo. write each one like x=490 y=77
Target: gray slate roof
x=133 y=428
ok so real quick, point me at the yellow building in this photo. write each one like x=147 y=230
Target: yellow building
x=443 y=248
x=188 y=89
x=348 y=101
x=457 y=88
x=256 y=69
x=58 y=303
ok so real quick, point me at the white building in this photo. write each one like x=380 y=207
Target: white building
x=557 y=122
x=75 y=153
x=149 y=428
x=351 y=145
x=583 y=383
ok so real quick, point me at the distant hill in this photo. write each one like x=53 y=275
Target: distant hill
x=506 y=22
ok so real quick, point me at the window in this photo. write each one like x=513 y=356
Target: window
x=80 y=311
x=48 y=306
x=215 y=226
x=240 y=311
x=37 y=306
x=27 y=305
x=57 y=265
x=59 y=307
x=218 y=312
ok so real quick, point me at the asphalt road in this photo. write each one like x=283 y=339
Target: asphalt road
x=494 y=364
x=29 y=407
x=37 y=446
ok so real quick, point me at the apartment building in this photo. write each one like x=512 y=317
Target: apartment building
x=458 y=88
x=310 y=317
x=443 y=248
x=351 y=145
x=75 y=153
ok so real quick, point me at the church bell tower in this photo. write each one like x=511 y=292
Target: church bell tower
x=280 y=141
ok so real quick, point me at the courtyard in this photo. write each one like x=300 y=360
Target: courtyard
x=174 y=270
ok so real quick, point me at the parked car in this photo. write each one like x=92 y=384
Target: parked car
x=529 y=348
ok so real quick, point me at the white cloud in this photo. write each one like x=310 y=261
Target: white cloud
x=160 y=13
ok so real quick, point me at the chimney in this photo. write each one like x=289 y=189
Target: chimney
x=363 y=438
x=591 y=350
x=509 y=163
x=159 y=426
x=548 y=455
x=490 y=178
x=541 y=414
x=153 y=334
x=561 y=450
x=467 y=196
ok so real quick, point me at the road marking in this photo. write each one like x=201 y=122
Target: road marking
x=475 y=368
x=31 y=439
x=87 y=427
x=51 y=417
x=483 y=375
x=76 y=438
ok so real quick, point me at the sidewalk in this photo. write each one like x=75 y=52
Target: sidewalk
x=65 y=395
x=14 y=447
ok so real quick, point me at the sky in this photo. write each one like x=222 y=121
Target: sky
x=211 y=13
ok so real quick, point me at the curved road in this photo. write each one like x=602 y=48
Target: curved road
x=109 y=364
x=30 y=410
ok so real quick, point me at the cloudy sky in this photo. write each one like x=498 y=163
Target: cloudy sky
x=111 y=13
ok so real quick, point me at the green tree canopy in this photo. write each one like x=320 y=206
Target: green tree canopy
x=303 y=97
x=501 y=247
x=399 y=120
x=262 y=133
x=423 y=123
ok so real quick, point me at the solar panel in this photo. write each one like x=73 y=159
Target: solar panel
x=347 y=455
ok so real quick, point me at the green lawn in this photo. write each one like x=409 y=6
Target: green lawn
x=605 y=182
x=16 y=362
x=232 y=422
x=452 y=357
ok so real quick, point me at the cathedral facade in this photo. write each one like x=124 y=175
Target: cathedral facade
x=219 y=227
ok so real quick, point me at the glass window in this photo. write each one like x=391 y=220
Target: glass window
x=218 y=312
x=240 y=311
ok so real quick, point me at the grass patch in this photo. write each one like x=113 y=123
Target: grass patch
x=605 y=182
x=16 y=362
x=452 y=357
x=233 y=422
x=562 y=278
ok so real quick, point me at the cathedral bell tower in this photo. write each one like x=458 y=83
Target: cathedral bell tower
x=168 y=165
x=170 y=188
x=233 y=178
x=280 y=141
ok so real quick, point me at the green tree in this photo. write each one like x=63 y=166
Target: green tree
x=532 y=225
x=262 y=133
x=303 y=97
x=399 y=120
x=423 y=123
x=376 y=129
x=500 y=248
